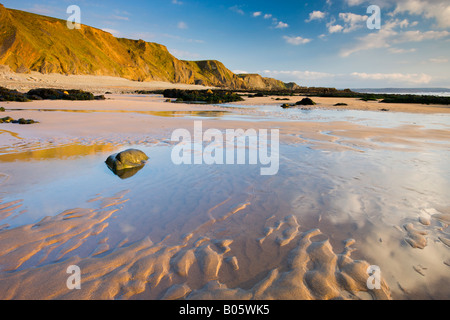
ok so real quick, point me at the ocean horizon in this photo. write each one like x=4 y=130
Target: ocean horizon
x=440 y=92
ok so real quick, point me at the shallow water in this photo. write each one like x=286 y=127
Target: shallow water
x=363 y=117
x=225 y=223
x=170 y=114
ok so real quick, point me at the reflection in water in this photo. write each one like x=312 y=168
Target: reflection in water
x=170 y=114
x=204 y=209
x=127 y=173
x=56 y=153
x=226 y=231
x=12 y=134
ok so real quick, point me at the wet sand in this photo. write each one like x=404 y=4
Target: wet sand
x=352 y=104
x=348 y=195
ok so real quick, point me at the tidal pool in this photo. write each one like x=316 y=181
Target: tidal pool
x=224 y=231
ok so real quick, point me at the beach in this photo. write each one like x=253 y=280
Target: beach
x=356 y=187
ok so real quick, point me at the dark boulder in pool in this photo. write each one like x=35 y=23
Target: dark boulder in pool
x=127 y=163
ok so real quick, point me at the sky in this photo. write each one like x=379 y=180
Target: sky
x=313 y=43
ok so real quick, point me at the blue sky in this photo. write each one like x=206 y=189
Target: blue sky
x=313 y=43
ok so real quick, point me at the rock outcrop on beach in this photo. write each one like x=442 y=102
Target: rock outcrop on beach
x=127 y=163
x=31 y=42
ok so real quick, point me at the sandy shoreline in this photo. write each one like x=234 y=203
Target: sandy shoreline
x=222 y=232
x=352 y=104
x=96 y=84
x=115 y=85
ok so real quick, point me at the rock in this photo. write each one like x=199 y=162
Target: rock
x=2 y=109
x=7 y=119
x=127 y=163
x=305 y=102
x=286 y=105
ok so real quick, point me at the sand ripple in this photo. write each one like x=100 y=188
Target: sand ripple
x=192 y=269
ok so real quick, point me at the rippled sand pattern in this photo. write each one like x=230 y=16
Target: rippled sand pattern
x=314 y=270
x=348 y=196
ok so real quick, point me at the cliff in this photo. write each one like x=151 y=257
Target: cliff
x=31 y=42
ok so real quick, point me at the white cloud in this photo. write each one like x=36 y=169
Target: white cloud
x=42 y=9
x=418 y=36
x=184 y=55
x=404 y=23
x=300 y=75
x=401 y=51
x=237 y=9
x=267 y=16
x=316 y=78
x=240 y=72
x=431 y=9
x=381 y=3
x=177 y=2
x=395 y=77
x=352 y=21
x=387 y=36
x=296 y=41
x=281 y=25
x=117 y=17
x=115 y=33
x=182 y=25
x=332 y=27
x=257 y=14
x=354 y=2
x=438 y=60
x=316 y=15
x=335 y=28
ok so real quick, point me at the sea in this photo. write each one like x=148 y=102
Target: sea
x=441 y=92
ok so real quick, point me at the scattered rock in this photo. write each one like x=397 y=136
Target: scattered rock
x=12 y=95
x=305 y=102
x=56 y=94
x=2 y=109
x=127 y=163
x=340 y=104
x=20 y=121
x=385 y=110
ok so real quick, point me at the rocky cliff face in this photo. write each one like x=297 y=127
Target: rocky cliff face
x=255 y=81
x=38 y=43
